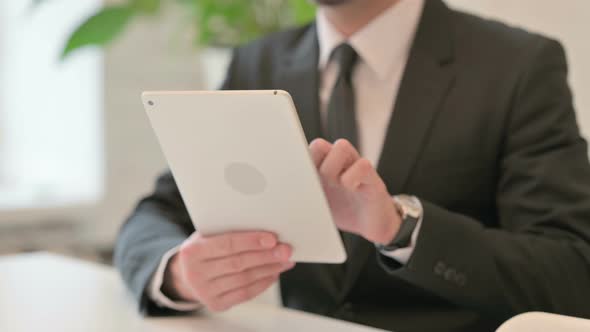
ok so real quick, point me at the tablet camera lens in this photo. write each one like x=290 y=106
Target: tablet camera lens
x=151 y=103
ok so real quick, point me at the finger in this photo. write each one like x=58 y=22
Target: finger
x=231 y=298
x=341 y=156
x=228 y=244
x=227 y=283
x=241 y=262
x=361 y=172
x=319 y=149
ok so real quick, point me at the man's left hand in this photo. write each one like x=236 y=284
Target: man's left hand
x=358 y=198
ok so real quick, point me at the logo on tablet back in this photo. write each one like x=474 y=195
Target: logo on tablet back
x=244 y=178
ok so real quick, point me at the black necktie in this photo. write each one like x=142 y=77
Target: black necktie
x=341 y=122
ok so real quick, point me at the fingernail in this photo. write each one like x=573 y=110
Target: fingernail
x=288 y=265
x=267 y=241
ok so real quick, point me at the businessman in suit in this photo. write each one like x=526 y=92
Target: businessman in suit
x=452 y=162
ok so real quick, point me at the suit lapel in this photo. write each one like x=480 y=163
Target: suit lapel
x=427 y=78
x=299 y=76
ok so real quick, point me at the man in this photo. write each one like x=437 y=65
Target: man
x=470 y=119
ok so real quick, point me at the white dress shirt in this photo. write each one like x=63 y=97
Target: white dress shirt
x=383 y=47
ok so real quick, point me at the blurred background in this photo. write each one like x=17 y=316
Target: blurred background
x=77 y=152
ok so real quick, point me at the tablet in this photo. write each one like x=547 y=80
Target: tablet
x=241 y=162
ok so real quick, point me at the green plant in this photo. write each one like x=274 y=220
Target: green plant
x=216 y=22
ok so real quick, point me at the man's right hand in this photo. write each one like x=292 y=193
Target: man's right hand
x=225 y=270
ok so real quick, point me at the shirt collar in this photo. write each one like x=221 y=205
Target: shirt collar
x=381 y=43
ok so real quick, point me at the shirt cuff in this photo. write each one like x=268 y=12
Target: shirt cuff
x=155 y=287
x=402 y=255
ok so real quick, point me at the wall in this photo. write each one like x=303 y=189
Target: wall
x=43 y=166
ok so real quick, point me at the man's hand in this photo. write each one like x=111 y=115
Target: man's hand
x=222 y=271
x=358 y=198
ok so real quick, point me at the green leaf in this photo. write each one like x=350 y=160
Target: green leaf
x=99 y=29
x=303 y=10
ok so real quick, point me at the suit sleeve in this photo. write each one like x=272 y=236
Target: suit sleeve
x=159 y=223
x=539 y=257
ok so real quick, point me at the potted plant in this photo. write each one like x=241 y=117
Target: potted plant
x=216 y=25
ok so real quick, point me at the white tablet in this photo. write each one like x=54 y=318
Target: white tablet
x=241 y=162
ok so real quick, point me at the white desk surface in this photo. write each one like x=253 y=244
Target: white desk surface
x=544 y=322
x=44 y=292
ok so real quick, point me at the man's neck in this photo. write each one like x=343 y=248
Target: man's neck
x=351 y=17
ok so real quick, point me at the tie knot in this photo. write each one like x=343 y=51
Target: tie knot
x=346 y=57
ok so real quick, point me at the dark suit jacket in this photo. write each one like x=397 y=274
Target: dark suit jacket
x=484 y=133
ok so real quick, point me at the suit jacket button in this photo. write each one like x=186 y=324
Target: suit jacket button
x=439 y=268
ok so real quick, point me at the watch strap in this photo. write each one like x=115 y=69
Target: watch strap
x=403 y=238
x=410 y=210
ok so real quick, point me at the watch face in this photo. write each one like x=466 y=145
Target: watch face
x=409 y=205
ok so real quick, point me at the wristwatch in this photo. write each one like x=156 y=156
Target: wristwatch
x=410 y=210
